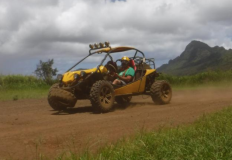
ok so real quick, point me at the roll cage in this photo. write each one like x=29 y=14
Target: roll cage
x=108 y=51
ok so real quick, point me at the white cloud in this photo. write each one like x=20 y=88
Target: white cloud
x=40 y=29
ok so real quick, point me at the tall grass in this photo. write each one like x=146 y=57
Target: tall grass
x=20 y=82
x=212 y=77
x=205 y=78
x=20 y=86
x=14 y=87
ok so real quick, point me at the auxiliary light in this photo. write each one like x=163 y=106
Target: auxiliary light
x=99 y=45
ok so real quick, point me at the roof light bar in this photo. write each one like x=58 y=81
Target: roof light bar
x=99 y=45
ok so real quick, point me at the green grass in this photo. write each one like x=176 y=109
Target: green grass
x=16 y=94
x=208 y=138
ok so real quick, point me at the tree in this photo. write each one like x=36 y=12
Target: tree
x=45 y=71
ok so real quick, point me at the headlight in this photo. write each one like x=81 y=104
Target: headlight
x=103 y=69
x=83 y=74
x=59 y=77
x=76 y=76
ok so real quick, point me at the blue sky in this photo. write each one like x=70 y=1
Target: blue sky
x=33 y=30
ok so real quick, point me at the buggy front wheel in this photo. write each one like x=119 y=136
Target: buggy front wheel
x=102 y=96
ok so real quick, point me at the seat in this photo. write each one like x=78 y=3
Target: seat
x=137 y=75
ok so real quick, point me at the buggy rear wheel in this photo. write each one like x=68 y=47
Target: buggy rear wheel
x=161 y=92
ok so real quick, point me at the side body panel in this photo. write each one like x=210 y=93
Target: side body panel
x=135 y=87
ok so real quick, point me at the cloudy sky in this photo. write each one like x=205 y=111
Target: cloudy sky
x=33 y=30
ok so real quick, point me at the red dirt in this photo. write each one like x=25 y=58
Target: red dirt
x=30 y=127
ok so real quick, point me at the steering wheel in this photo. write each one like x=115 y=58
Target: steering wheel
x=112 y=68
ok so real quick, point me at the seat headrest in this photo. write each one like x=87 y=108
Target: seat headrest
x=132 y=64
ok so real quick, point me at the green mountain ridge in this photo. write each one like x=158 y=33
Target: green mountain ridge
x=198 y=57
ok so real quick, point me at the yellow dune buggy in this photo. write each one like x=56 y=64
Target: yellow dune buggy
x=95 y=83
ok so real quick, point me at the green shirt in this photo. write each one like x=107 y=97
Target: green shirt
x=130 y=72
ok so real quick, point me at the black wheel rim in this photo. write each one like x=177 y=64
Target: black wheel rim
x=105 y=96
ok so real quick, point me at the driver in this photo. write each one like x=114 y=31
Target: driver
x=127 y=73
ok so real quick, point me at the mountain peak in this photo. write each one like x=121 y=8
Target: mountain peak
x=196 y=44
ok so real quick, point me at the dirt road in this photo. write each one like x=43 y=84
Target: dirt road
x=30 y=127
